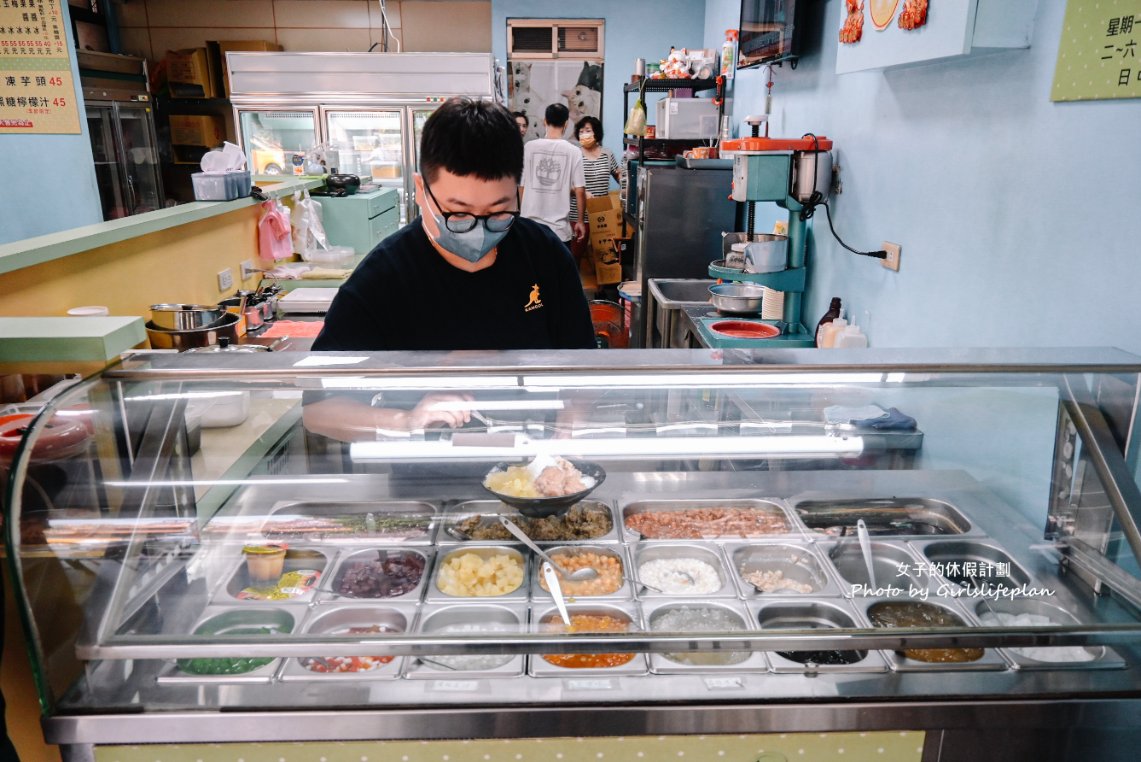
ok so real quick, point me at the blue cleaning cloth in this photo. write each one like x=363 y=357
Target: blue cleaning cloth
x=892 y=420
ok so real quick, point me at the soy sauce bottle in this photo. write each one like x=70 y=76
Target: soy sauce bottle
x=832 y=313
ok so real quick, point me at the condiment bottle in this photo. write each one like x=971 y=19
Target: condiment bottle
x=831 y=332
x=832 y=313
x=851 y=338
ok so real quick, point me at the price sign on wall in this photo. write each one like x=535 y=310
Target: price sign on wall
x=1099 y=56
x=37 y=93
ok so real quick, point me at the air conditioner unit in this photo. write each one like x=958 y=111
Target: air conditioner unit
x=550 y=38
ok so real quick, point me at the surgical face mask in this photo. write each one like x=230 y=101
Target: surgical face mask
x=471 y=245
x=586 y=138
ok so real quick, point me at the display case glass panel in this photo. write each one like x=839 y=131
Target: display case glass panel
x=216 y=534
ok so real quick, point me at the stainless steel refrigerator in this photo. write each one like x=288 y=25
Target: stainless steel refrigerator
x=681 y=214
x=366 y=109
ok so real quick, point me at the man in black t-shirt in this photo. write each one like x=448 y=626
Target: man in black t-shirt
x=469 y=273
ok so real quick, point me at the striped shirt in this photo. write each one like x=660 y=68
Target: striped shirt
x=597 y=171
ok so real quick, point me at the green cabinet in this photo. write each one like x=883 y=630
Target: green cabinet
x=361 y=220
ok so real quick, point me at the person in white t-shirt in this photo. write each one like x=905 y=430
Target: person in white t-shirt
x=552 y=170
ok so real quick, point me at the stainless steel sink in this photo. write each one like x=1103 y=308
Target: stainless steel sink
x=668 y=297
x=668 y=290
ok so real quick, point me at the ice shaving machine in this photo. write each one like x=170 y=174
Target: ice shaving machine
x=795 y=174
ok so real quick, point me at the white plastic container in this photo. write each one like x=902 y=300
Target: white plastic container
x=224 y=186
x=831 y=331
x=850 y=338
x=686 y=118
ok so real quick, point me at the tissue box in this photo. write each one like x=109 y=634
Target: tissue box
x=225 y=186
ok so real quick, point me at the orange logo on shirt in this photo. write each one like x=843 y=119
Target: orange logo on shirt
x=534 y=302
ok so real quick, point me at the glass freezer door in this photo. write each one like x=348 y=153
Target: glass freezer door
x=369 y=144
x=419 y=116
x=112 y=192
x=140 y=157
x=275 y=141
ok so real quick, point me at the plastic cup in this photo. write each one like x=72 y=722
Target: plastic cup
x=264 y=563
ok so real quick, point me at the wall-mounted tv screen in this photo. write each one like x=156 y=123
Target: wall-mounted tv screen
x=769 y=32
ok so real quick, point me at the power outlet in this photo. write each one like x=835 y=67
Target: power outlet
x=226 y=279
x=248 y=269
x=893 y=250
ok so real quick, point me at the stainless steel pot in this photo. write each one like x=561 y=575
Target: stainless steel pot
x=226 y=327
x=736 y=298
x=184 y=317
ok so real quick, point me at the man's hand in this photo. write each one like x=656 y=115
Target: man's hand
x=448 y=409
x=579 y=231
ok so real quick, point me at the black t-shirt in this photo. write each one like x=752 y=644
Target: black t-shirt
x=405 y=296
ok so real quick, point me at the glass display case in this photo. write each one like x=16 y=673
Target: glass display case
x=794 y=540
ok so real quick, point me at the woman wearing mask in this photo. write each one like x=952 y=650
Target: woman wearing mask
x=598 y=163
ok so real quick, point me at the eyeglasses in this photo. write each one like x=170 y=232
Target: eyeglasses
x=462 y=222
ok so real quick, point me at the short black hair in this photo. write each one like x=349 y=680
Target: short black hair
x=557 y=115
x=466 y=137
x=592 y=123
x=517 y=114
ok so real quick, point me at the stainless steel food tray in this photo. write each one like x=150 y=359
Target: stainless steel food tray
x=219 y=621
x=886 y=516
x=433 y=594
x=709 y=553
x=474 y=618
x=991 y=660
x=898 y=568
x=392 y=520
x=795 y=559
x=337 y=620
x=490 y=509
x=348 y=559
x=665 y=664
x=810 y=613
x=574 y=591
x=770 y=508
x=542 y=620
x=954 y=559
x=296 y=559
x=1028 y=658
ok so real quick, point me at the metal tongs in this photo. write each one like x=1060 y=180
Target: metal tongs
x=552 y=578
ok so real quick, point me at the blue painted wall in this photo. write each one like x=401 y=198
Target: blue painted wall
x=53 y=177
x=1017 y=216
x=633 y=29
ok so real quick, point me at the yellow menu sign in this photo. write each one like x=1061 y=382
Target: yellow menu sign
x=37 y=93
x=1098 y=56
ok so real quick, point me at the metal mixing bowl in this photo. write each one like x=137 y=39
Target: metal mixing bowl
x=185 y=317
x=226 y=327
x=736 y=298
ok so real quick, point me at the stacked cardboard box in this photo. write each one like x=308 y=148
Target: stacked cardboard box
x=604 y=215
x=191 y=73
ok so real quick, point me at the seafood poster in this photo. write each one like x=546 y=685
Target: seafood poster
x=877 y=34
x=37 y=94
x=1098 y=57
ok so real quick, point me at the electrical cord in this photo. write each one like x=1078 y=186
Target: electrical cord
x=817 y=199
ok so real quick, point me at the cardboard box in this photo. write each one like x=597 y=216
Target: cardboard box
x=218 y=50
x=199 y=130
x=607 y=262
x=191 y=73
x=604 y=215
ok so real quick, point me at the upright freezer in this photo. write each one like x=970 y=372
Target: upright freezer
x=365 y=109
x=120 y=122
x=681 y=215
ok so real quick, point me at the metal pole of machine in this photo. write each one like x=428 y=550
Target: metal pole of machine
x=797 y=244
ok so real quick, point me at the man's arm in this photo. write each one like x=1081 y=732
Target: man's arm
x=351 y=420
x=580 y=223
